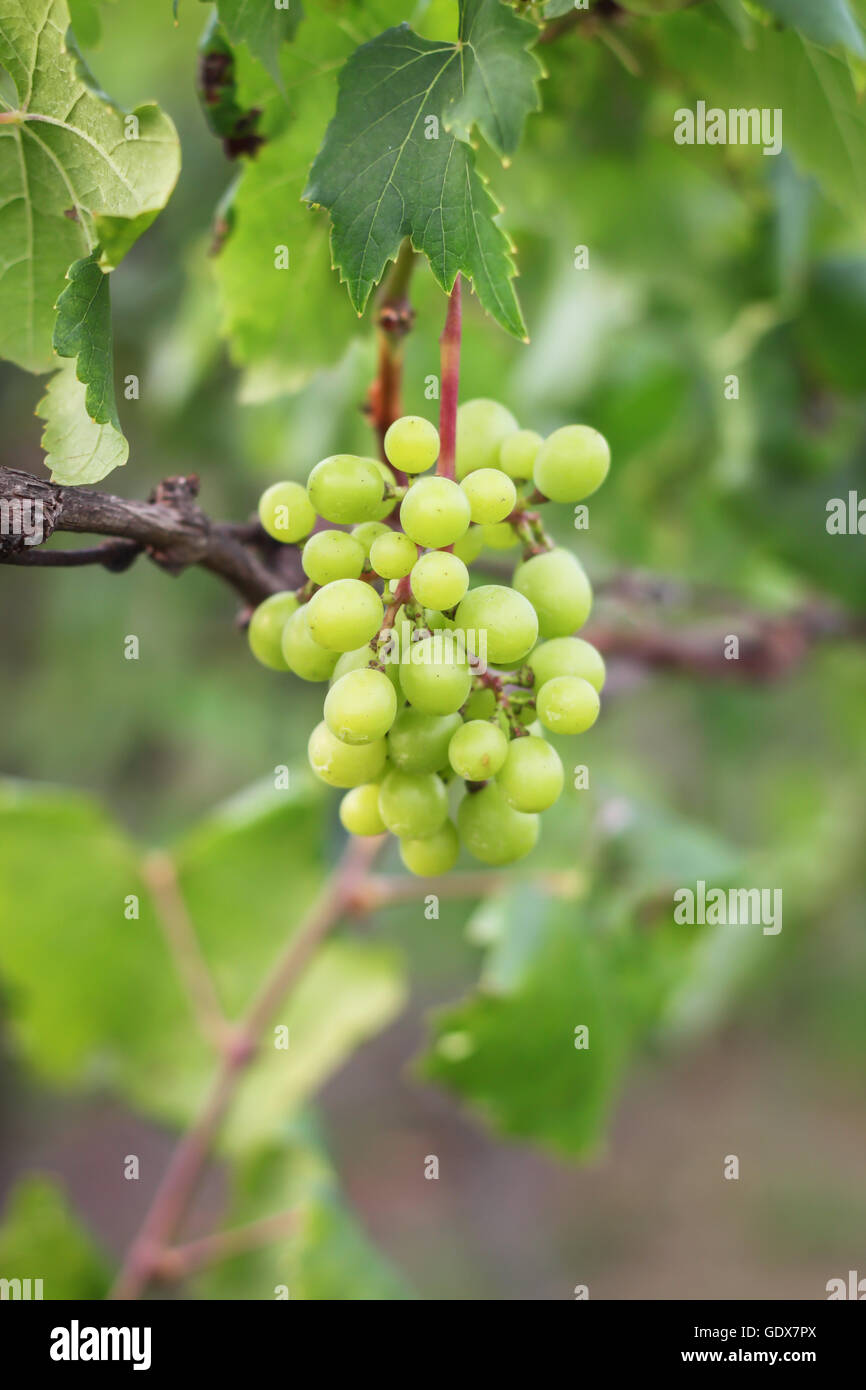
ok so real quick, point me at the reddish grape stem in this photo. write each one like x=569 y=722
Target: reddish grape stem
x=449 y=386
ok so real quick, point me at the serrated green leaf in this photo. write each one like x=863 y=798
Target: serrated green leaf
x=390 y=167
x=830 y=22
x=262 y=27
x=77 y=448
x=65 y=165
x=83 y=331
x=41 y=1238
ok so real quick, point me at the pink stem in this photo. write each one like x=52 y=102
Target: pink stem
x=449 y=344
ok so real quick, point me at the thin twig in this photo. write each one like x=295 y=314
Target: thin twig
x=181 y=1261
x=449 y=385
x=161 y=877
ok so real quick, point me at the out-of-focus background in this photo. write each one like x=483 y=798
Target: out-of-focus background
x=703 y=262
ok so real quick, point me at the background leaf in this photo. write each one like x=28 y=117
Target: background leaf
x=41 y=1238
x=831 y=22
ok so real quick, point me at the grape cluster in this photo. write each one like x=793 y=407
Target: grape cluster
x=433 y=681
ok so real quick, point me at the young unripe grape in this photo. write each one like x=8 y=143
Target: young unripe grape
x=265 y=632
x=344 y=614
x=359 y=810
x=492 y=496
x=571 y=463
x=437 y=679
x=500 y=536
x=304 y=656
x=477 y=750
x=480 y=705
x=470 y=545
x=517 y=453
x=330 y=555
x=344 y=764
x=567 y=705
x=557 y=587
x=360 y=658
x=286 y=512
x=346 y=488
x=393 y=555
x=492 y=830
x=439 y=580
x=481 y=427
x=506 y=617
x=567 y=656
x=434 y=854
x=412 y=444
x=368 y=532
x=531 y=778
x=435 y=512
x=413 y=804
x=361 y=706
x=419 y=742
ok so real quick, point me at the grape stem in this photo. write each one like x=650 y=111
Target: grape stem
x=449 y=385
x=394 y=319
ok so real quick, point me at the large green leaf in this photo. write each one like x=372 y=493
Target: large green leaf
x=73 y=171
x=77 y=448
x=83 y=331
x=262 y=27
x=827 y=22
x=396 y=161
x=41 y=1238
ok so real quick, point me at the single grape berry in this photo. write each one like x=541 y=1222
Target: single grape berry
x=345 y=488
x=470 y=545
x=367 y=532
x=265 y=632
x=500 y=536
x=393 y=555
x=567 y=656
x=412 y=444
x=359 y=810
x=359 y=658
x=303 y=655
x=361 y=706
x=439 y=580
x=344 y=614
x=436 y=678
x=517 y=454
x=571 y=463
x=531 y=777
x=433 y=854
x=504 y=619
x=330 y=555
x=389 y=484
x=413 y=804
x=493 y=831
x=435 y=512
x=557 y=587
x=481 y=427
x=492 y=495
x=344 y=764
x=567 y=705
x=286 y=512
x=477 y=750
x=419 y=742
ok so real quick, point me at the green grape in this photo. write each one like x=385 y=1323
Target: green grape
x=433 y=854
x=344 y=764
x=367 y=533
x=361 y=706
x=359 y=810
x=419 y=742
x=480 y=705
x=558 y=589
x=286 y=512
x=477 y=750
x=531 y=777
x=492 y=496
x=439 y=580
x=436 y=679
x=361 y=657
x=330 y=555
x=387 y=505
x=567 y=705
x=571 y=463
x=567 y=656
x=413 y=804
x=492 y=830
x=435 y=512
x=344 y=614
x=436 y=620
x=303 y=655
x=507 y=618
x=517 y=454
x=393 y=555
x=412 y=444
x=500 y=536
x=470 y=545
x=481 y=427
x=345 y=488
x=265 y=632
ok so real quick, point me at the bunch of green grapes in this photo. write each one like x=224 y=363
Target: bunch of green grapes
x=436 y=683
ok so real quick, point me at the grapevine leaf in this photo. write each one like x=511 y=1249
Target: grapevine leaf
x=74 y=173
x=391 y=167
x=555 y=9
x=86 y=21
x=83 y=331
x=262 y=27
x=829 y=23
x=40 y=1237
x=77 y=448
